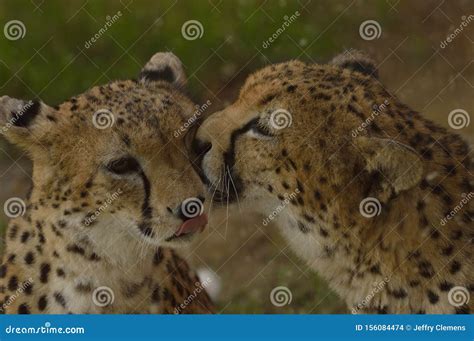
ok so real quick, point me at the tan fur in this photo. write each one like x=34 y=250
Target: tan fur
x=406 y=259
x=57 y=259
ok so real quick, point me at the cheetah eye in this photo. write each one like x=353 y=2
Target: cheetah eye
x=124 y=165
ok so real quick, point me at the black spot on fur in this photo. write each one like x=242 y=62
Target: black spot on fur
x=323 y=232
x=155 y=295
x=454 y=267
x=432 y=297
x=23 y=309
x=3 y=271
x=445 y=286
x=375 y=269
x=45 y=268
x=42 y=303
x=25 y=236
x=29 y=258
x=13 y=283
x=75 y=249
x=426 y=269
x=448 y=250
x=303 y=228
x=60 y=299
x=399 y=293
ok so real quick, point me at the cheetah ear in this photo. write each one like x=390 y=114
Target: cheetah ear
x=164 y=66
x=400 y=166
x=24 y=123
x=356 y=60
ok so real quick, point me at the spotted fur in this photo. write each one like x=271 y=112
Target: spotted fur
x=403 y=259
x=96 y=233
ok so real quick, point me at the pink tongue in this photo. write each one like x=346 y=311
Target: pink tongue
x=192 y=225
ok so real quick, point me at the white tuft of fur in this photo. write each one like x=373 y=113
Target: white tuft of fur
x=211 y=282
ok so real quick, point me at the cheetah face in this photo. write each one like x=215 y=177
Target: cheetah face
x=111 y=163
x=292 y=125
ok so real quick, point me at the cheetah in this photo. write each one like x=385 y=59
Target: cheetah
x=376 y=197
x=98 y=230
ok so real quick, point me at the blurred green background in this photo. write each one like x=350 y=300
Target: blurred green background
x=51 y=62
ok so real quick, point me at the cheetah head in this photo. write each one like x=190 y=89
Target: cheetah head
x=293 y=125
x=111 y=163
